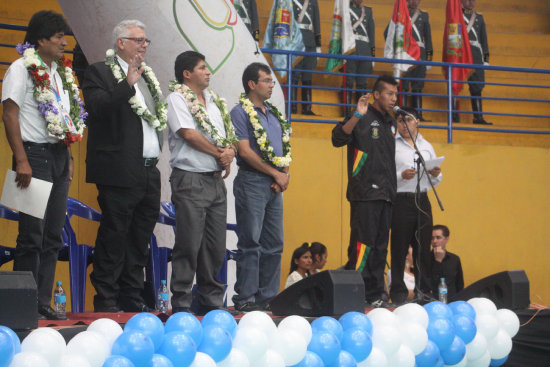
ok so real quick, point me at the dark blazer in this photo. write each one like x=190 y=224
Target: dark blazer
x=115 y=134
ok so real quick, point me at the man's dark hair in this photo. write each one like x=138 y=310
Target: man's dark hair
x=444 y=229
x=379 y=84
x=252 y=72
x=186 y=61
x=410 y=110
x=44 y=25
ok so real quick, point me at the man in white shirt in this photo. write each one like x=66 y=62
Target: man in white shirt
x=124 y=142
x=408 y=205
x=39 y=154
x=201 y=148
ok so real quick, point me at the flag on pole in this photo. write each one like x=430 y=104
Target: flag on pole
x=400 y=43
x=342 y=41
x=456 y=44
x=282 y=33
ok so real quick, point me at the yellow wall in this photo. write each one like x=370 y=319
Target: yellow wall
x=495 y=199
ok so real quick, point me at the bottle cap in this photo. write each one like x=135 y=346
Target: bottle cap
x=58 y=282
x=163 y=281
x=442 y=279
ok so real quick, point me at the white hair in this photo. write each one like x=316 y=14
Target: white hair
x=121 y=29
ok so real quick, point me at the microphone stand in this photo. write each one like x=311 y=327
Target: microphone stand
x=420 y=162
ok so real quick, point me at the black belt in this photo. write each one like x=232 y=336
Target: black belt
x=411 y=194
x=42 y=145
x=211 y=173
x=150 y=162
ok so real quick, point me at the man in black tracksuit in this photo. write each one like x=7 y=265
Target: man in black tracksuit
x=369 y=136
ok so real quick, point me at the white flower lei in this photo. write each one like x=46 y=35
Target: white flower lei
x=46 y=99
x=157 y=121
x=198 y=111
x=261 y=135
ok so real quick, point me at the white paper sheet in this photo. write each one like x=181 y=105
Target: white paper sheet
x=432 y=163
x=31 y=200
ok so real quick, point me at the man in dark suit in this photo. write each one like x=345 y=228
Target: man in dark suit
x=126 y=115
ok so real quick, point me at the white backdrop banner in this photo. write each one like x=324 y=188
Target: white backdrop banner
x=211 y=27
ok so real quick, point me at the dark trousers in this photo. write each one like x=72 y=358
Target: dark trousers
x=417 y=71
x=39 y=240
x=201 y=215
x=477 y=76
x=121 y=250
x=307 y=63
x=370 y=225
x=358 y=67
x=404 y=228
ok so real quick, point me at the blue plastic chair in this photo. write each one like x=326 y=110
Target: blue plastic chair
x=7 y=253
x=79 y=255
x=66 y=253
x=157 y=268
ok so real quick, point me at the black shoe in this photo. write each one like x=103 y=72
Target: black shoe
x=248 y=307
x=177 y=309
x=482 y=121
x=50 y=314
x=108 y=309
x=133 y=305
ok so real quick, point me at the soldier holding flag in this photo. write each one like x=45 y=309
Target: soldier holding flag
x=422 y=33
x=248 y=11
x=475 y=26
x=306 y=13
x=362 y=23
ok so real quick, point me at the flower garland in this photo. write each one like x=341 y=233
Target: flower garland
x=157 y=121
x=46 y=99
x=198 y=112
x=261 y=135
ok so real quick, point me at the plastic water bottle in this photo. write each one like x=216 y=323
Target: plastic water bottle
x=442 y=290
x=162 y=305
x=59 y=299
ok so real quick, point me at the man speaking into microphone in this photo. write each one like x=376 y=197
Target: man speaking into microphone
x=408 y=205
x=369 y=136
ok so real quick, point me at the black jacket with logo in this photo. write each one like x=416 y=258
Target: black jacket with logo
x=371 y=156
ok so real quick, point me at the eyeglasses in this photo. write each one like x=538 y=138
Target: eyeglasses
x=139 y=40
x=269 y=81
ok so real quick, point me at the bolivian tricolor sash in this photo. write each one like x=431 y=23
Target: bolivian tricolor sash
x=362 y=255
x=359 y=160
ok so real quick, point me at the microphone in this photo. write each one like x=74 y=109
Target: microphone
x=397 y=109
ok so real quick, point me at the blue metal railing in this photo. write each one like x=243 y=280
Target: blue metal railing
x=450 y=127
x=449 y=96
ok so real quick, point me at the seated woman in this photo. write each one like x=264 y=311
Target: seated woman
x=319 y=254
x=408 y=275
x=300 y=265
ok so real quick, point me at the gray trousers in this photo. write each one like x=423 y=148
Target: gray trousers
x=39 y=240
x=201 y=214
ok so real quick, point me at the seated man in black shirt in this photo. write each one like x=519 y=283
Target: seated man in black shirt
x=445 y=264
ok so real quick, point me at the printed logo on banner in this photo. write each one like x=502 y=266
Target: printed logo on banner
x=215 y=15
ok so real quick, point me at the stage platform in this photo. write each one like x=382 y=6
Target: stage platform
x=531 y=346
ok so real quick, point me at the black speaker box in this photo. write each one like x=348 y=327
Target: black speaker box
x=328 y=293
x=507 y=289
x=18 y=300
